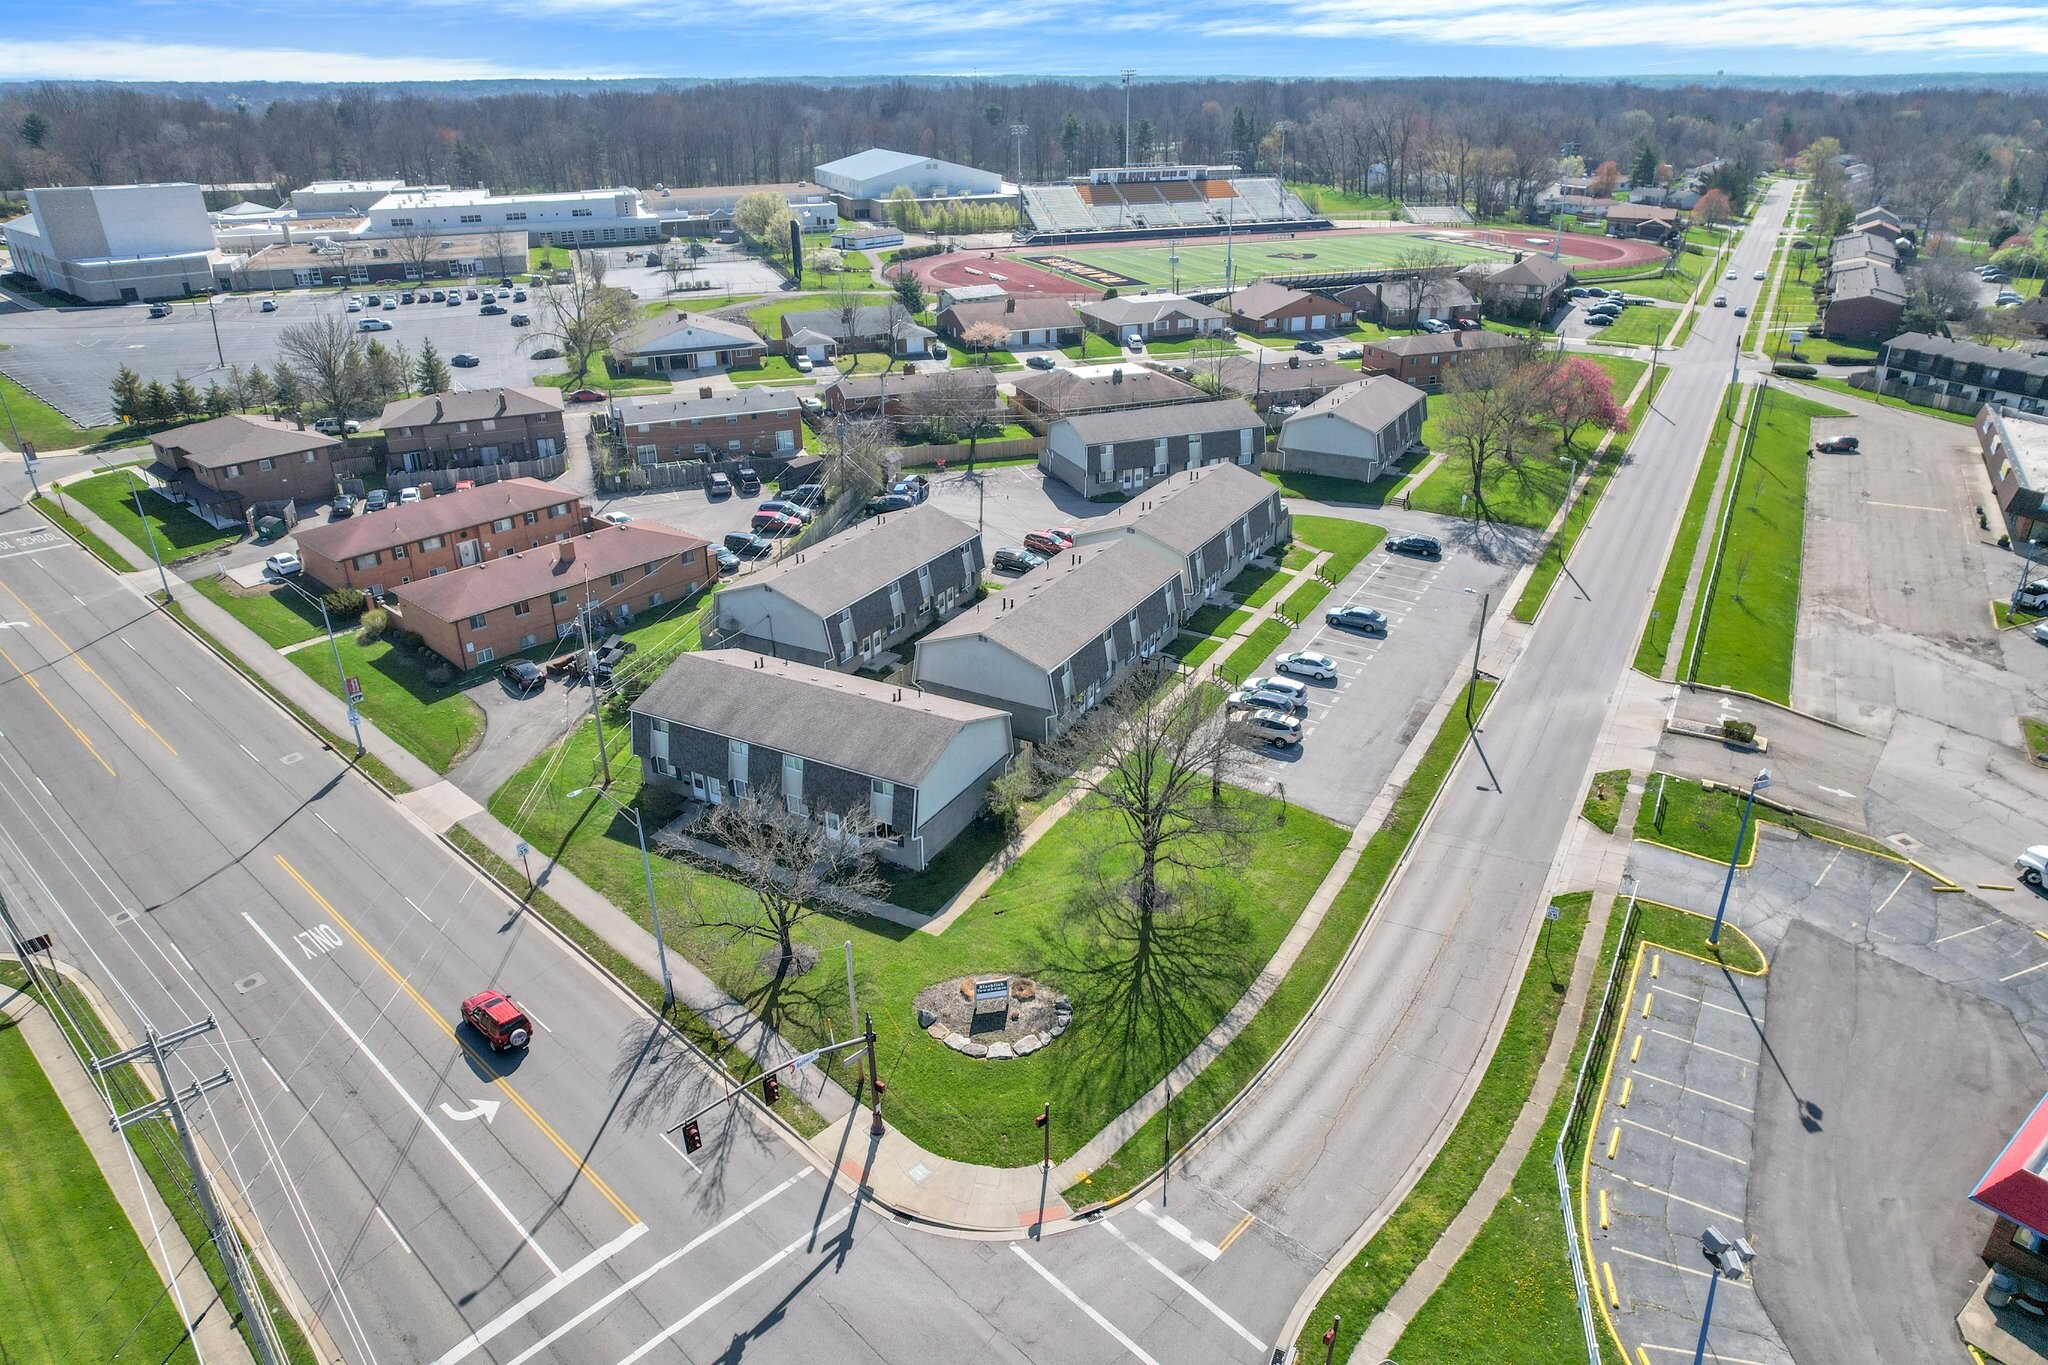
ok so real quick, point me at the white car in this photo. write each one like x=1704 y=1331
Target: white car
x=1759 y=275
x=1730 y=275
x=617 y=518
x=1136 y=345
x=282 y=565
x=373 y=325
x=2041 y=631
x=1270 y=727
x=2032 y=864
x=1303 y=664
x=408 y=495
x=1289 y=686
x=803 y=363
x=1260 y=699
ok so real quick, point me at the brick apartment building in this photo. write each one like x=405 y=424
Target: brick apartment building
x=710 y=426
x=1423 y=360
x=384 y=550
x=222 y=467
x=479 y=427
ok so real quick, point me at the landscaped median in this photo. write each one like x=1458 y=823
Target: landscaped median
x=1655 y=646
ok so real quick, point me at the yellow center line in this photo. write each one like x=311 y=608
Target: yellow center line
x=58 y=712
x=80 y=660
x=547 y=1130
x=1235 y=1233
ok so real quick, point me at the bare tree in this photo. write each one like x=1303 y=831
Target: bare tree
x=792 y=860
x=673 y=264
x=1943 y=288
x=416 y=246
x=857 y=458
x=325 y=356
x=1490 y=418
x=1431 y=272
x=585 y=318
x=500 y=242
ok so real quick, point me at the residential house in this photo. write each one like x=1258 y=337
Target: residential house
x=727 y=725
x=472 y=427
x=1049 y=646
x=2016 y=378
x=1424 y=359
x=1530 y=288
x=2015 y=450
x=666 y=429
x=1207 y=524
x=929 y=391
x=686 y=343
x=1027 y=321
x=1269 y=307
x=821 y=333
x=1865 y=300
x=1125 y=449
x=498 y=607
x=1881 y=222
x=849 y=599
x=440 y=533
x=1360 y=431
x=1280 y=379
x=1863 y=246
x=1645 y=222
x=1407 y=301
x=1151 y=317
x=1047 y=395
x=224 y=467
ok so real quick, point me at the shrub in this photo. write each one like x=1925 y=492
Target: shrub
x=440 y=675
x=346 y=603
x=1791 y=371
x=1839 y=358
x=373 y=625
x=1741 y=731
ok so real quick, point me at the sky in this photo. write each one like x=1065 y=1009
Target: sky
x=414 y=40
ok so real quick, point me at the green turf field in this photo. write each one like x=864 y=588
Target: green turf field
x=1251 y=258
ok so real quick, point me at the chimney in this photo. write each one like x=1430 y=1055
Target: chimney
x=1116 y=376
x=1010 y=304
x=287 y=232
x=704 y=391
x=566 y=552
x=1293 y=362
x=501 y=402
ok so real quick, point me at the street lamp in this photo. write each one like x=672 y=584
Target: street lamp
x=1728 y=1259
x=135 y=489
x=668 y=986
x=1757 y=784
x=355 y=720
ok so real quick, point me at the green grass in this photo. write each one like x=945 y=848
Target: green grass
x=1658 y=630
x=1191 y=650
x=179 y=534
x=1234 y=1067
x=1305 y=599
x=962 y=358
x=963 y=1109
x=1218 y=621
x=48 y=429
x=2007 y=618
x=766 y=318
x=1848 y=390
x=78 y=531
x=1684 y=815
x=2036 y=734
x=1255 y=587
x=1337 y=492
x=434 y=722
x=1348 y=542
x=1750 y=603
x=1364 y=1286
x=1092 y=347
x=1251 y=654
x=1640 y=326
x=1254 y=259
x=1332 y=202
x=773 y=369
x=76 y=1280
x=277 y=613
x=601 y=377
x=1676 y=287
x=1192 y=346
x=1603 y=801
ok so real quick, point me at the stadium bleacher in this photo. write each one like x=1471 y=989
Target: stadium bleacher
x=1115 y=202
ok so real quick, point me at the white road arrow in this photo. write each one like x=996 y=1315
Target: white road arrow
x=485 y=1110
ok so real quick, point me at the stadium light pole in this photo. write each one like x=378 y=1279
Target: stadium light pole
x=1017 y=132
x=1129 y=76
x=1283 y=127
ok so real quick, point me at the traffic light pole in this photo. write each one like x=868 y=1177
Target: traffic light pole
x=771 y=1088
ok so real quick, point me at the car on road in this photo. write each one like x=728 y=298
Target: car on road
x=749 y=546
x=1010 y=559
x=1041 y=362
x=373 y=325
x=1269 y=727
x=727 y=561
x=282 y=565
x=463 y=360
x=1310 y=347
x=1730 y=275
x=1741 y=311
x=376 y=500
x=522 y=676
x=1720 y=300
x=408 y=496
x=616 y=518
x=1836 y=445
x=1302 y=664
x=1758 y=275
x=888 y=502
x=1429 y=547
x=499 y=1019
x=1371 y=620
x=583 y=395
x=491 y=310
x=344 y=505
x=718 y=486
x=746 y=480
x=2033 y=864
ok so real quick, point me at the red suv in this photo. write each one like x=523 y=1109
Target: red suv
x=498 y=1018
x=1046 y=543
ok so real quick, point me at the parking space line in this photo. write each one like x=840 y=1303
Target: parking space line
x=1197 y=1295
x=1656 y=1260
x=1726 y=1009
x=1690 y=1090
x=1667 y=1194
x=1071 y=1297
x=1830 y=867
x=1895 y=891
x=1687 y=1352
x=1685 y=1142
x=1703 y=1047
x=1961 y=932
x=2024 y=971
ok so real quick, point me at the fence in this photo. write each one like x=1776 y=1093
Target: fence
x=689 y=474
x=1924 y=396
x=444 y=480
x=928 y=456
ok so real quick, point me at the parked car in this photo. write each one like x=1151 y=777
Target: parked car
x=727 y=561
x=1041 y=362
x=809 y=495
x=788 y=509
x=1464 y=325
x=749 y=546
x=1429 y=547
x=408 y=297
x=469 y=293
x=354 y=306
x=745 y=479
x=2033 y=864
x=344 y=505
x=521 y=320
x=2033 y=597
x=776 y=524
x=327 y=426
x=408 y=496
x=1136 y=345
x=1009 y=559
x=803 y=363
x=440 y=296
x=490 y=296
x=1595 y=292
x=1371 y=620
x=1296 y=694
x=1600 y=319
x=499 y=1019
x=1311 y=347
x=522 y=676
x=269 y=306
x=1063 y=534
x=159 y=310
x=491 y=310
x=519 y=296
x=916 y=487
x=463 y=360
x=616 y=518
x=1576 y=292
x=1303 y=664
x=376 y=500
x=373 y=325
x=888 y=502
x=1350 y=352
x=1836 y=445
x=1269 y=727
x=938 y=349
x=372 y=300
x=2040 y=631
x=1043 y=544
x=1435 y=326
x=282 y=565
x=1259 y=699
x=455 y=298
x=390 y=304
x=718 y=486
x=582 y=395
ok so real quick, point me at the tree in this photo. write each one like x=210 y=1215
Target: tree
x=505 y=248
x=430 y=372
x=796 y=251
x=985 y=337
x=325 y=357
x=857 y=457
x=287 y=394
x=1605 y=180
x=909 y=292
x=760 y=217
x=384 y=373
x=185 y=399
x=673 y=264
x=1432 y=271
x=1644 y=172
x=216 y=401
x=1489 y=419
x=156 y=403
x=584 y=319
x=1943 y=287
x=1577 y=393
x=791 y=860
x=827 y=261
x=902 y=207
x=416 y=246
x=695 y=252
x=127 y=395
x=1712 y=210
x=254 y=390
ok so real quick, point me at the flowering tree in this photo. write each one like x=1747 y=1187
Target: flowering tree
x=1712 y=210
x=1577 y=394
x=1605 y=181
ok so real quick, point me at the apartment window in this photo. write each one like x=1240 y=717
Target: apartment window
x=618 y=580
x=579 y=213
x=793 y=783
x=266 y=465
x=528 y=640
x=515 y=217
x=654 y=598
x=401 y=222
x=398 y=552
x=522 y=608
x=234 y=471
x=476 y=622
x=558 y=509
x=502 y=524
x=484 y=656
x=532 y=518
x=368 y=561
x=647 y=570
x=430 y=543
x=311 y=456
x=472 y=217
x=490 y=424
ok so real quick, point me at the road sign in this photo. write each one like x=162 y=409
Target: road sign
x=355 y=691
x=1551 y=912
x=353 y=715
x=1795 y=336
x=521 y=850
x=39 y=944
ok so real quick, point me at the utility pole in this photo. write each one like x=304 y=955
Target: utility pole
x=875 y=1128
x=1129 y=76
x=604 y=756
x=155 y=1048
x=1485 y=604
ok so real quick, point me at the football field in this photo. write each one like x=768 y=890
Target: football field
x=1251 y=258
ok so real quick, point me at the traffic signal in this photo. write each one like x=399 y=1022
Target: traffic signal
x=692 y=1139
x=771 y=1089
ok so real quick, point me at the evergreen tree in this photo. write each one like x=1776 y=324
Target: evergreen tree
x=430 y=372
x=1644 y=172
x=909 y=292
x=217 y=401
x=384 y=375
x=127 y=391
x=156 y=404
x=185 y=400
x=255 y=389
x=287 y=397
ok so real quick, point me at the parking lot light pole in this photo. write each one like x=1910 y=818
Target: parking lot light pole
x=1728 y=1260
x=355 y=721
x=1757 y=784
x=668 y=986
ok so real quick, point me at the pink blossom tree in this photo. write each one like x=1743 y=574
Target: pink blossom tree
x=1578 y=393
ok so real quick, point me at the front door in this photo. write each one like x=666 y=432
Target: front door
x=468 y=552
x=714 y=791
x=697 y=787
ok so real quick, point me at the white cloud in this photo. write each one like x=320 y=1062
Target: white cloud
x=135 y=59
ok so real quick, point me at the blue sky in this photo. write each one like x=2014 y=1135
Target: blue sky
x=381 y=40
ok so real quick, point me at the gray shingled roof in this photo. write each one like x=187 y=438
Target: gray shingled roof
x=232 y=440
x=840 y=570
x=1046 y=619
x=689 y=332
x=885 y=730
x=1865 y=279
x=1187 y=510
x=1373 y=404
x=1138 y=309
x=676 y=408
x=1062 y=389
x=1172 y=419
x=1015 y=312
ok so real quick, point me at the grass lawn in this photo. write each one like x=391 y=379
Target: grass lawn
x=1194 y=346
x=963 y=358
x=1226 y=1076
x=773 y=369
x=48 y=429
x=1253 y=258
x=1123 y=1037
x=1639 y=326
x=1348 y=542
x=1603 y=802
x=1304 y=600
x=179 y=534
x=1336 y=203
x=433 y=721
x=2008 y=619
x=1218 y=621
x=600 y=377
x=1750 y=602
x=1092 y=347
x=2036 y=733
x=1191 y=650
x=76 y=1279
x=277 y=613
x=766 y=318
x=1663 y=622
x=1250 y=656
x=1254 y=587
x=1848 y=390
x=1363 y=1287
x=694 y=301
x=1676 y=287
x=1345 y=492
x=1684 y=815
x=77 y=530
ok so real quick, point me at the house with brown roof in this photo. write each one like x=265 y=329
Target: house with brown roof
x=1151 y=317
x=1406 y=301
x=439 y=534
x=498 y=607
x=1528 y=289
x=1129 y=448
x=1425 y=358
x=472 y=429
x=1865 y=300
x=1269 y=307
x=1280 y=379
x=223 y=467
x=1880 y=221
x=666 y=429
x=926 y=390
x=1028 y=321
x=1048 y=395
x=1645 y=222
x=1359 y=431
